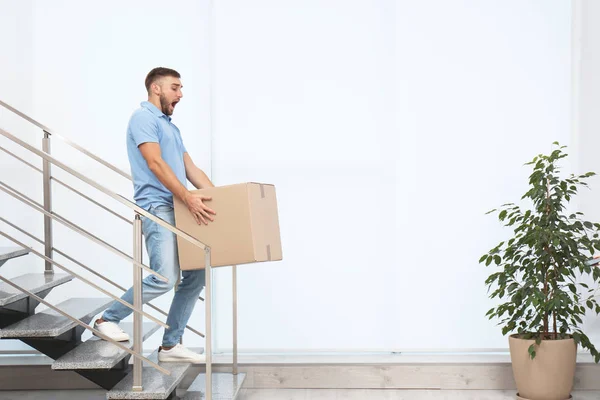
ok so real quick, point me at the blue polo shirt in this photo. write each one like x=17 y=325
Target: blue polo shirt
x=149 y=124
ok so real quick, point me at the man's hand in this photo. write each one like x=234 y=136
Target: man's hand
x=201 y=213
x=152 y=154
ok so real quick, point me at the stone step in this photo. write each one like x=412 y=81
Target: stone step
x=224 y=387
x=7 y=253
x=51 y=324
x=96 y=353
x=33 y=282
x=156 y=385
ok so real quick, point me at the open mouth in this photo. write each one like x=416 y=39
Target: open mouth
x=173 y=104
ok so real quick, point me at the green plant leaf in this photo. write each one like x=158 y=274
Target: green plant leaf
x=539 y=270
x=531 y=351
x=572 y=288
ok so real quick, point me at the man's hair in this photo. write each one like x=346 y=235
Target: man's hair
x=158 y=73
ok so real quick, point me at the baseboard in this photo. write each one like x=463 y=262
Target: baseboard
x=321 y=372
x=426 y=376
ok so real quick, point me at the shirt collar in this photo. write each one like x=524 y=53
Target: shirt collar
x=154 y=110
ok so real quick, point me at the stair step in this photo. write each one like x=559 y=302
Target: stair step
x=35 y=283
x=224 y=387
x=6 y=253
x=96 y=353
x=156 y=385
x=51 y=324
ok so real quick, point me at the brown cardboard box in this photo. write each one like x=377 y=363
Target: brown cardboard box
x=245 y=229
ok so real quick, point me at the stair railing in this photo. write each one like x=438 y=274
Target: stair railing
x=48 y=161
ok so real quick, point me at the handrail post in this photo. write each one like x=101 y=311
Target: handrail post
x=235 y=320
x=137 y=303
x=175 y=291
x=47 y=174
x=208 y=310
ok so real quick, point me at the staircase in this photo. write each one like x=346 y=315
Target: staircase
x=120 y=368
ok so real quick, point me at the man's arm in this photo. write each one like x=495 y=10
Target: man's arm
x=151 y=153
x=195 y=174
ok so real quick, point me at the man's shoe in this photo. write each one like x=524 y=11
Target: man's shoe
x=180 y=354
x=112 y=330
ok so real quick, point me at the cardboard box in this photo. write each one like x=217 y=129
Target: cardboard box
x=245 y=229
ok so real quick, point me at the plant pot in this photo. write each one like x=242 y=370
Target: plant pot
x=549 y=376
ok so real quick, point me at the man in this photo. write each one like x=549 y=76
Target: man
x=160 y=166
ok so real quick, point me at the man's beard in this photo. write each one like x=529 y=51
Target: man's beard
x=165 y=105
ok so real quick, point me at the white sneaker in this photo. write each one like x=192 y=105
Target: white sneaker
x=112 y=330
x=180 y=354
x=106 y=349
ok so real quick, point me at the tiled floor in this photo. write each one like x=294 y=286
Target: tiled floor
x=356 y=394
x=308 y=394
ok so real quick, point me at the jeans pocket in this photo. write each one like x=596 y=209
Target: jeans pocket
x=162 y=208
x=164 y=212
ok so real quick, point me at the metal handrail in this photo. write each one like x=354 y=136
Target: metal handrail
x=23 y=231
x=48 y=160
x=68 y=257
x=137 y=310
x=97 y=203
x=27 y=199
x=24 y=116
x=91 y=270
x=106 y=191
x=64 y=139
x=22 y=160
x=70 y=271
x=116 y=214
x=78 y=322
x=152 y=306
x=17 y=195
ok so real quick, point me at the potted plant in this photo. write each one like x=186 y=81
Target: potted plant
x=540 y=277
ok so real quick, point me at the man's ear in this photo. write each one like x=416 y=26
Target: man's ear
x=155 y=87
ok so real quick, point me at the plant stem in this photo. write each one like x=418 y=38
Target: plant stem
x=546 y=267
x=553 y=296
x=545 y=333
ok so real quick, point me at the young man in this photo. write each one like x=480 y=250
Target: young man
x=160 y=166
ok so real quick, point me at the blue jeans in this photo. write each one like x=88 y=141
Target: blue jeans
x=162 y=250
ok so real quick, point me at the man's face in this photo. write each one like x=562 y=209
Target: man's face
x=169 y=93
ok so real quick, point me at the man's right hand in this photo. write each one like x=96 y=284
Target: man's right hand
x=201 y=213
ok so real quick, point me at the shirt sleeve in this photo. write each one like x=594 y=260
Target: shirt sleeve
x=143 y=128
x=183 y=146
x=183 y=149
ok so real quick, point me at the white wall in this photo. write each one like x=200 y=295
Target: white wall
x=587 y=96
x=586 y=121
x=483 y=87
x=16 y=65
x=15 y=87
x=389 y=128
x=87 y=71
